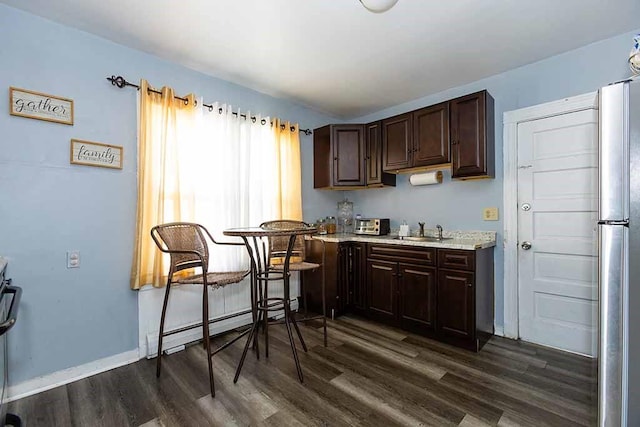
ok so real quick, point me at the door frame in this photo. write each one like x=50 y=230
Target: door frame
x=511 y=119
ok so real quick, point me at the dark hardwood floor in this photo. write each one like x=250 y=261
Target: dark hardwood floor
x=370 y=375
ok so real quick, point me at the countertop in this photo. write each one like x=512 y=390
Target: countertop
x=465 y=240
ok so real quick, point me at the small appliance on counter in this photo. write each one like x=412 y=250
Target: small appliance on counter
x=372 y=226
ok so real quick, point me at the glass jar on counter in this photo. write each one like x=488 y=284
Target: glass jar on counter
x=345 y=216
x=331 y=224
x=322 y=226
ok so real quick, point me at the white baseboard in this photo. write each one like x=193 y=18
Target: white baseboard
x=69 y=375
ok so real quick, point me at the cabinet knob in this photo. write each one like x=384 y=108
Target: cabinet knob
x=470 y=285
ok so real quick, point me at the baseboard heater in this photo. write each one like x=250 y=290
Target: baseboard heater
x=176 y=338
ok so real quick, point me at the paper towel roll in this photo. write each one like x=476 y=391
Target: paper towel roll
x=426 y=178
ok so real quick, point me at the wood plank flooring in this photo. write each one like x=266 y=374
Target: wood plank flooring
x=369 y=375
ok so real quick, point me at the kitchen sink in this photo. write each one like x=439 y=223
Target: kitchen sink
x=423 y=239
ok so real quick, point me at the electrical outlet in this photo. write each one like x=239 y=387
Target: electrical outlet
x=73 y=259
x=490 y=214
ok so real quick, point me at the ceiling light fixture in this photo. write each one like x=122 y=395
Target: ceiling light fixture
x=378 y=6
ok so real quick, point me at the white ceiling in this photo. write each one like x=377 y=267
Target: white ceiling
x=334 y=55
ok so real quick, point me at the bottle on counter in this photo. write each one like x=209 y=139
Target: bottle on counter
x=345 y=216
x=331 y=224
x=322 y=226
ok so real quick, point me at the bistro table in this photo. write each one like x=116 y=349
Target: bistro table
x=256 y=240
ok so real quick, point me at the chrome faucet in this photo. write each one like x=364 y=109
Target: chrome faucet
x=439 y=227
x=421 y=224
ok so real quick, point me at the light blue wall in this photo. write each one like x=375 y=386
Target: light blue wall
x=69 y=317
x=458 y=204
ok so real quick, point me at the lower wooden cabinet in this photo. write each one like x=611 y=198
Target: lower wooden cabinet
x=401 y=284
x=446 y=294
x=382 y=290
x=455 y=300
x=344 y=277
x=311 y=281
x=352 y=293
x=417 y=297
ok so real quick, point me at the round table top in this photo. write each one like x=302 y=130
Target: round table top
x=261 y=232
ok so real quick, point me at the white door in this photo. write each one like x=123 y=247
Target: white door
x=557 y=214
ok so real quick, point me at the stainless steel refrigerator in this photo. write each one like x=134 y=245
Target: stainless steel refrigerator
x=619 y=255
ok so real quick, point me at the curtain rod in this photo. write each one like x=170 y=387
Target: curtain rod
x=120 y=82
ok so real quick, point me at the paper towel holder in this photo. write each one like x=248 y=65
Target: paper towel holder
x=427 y=178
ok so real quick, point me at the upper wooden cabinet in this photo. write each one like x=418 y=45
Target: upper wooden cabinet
x=472 y=136
x=348 y=156
x=338 y=156
x=431 y=135
x=459 y=133
x=417 y=139
x=373 y=157
x=397 y=143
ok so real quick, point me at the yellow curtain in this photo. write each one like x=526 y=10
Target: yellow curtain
x=289 y=189
x=165 y=124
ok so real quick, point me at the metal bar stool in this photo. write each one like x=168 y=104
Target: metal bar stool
x=187 y=245
x=298 y=262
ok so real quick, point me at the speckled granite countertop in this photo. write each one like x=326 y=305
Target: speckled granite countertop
x=466 y=240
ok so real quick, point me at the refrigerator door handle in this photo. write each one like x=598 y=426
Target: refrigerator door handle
x=613 y=150
x=613 y=318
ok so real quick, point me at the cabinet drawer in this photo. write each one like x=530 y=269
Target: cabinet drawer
x=456 y=259
x=410 y=254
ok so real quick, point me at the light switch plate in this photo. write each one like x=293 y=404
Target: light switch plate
x=73 y=259
x=490 y=214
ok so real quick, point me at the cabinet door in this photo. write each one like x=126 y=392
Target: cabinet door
x=431 y=135
x=472 y=135
x=311 y=286
x=348 y=155
x=381 y=290
x=396 y=142
x=358 y=274
x=417 y=289
x=455 y=305
x=373 y=157
x=322 y=158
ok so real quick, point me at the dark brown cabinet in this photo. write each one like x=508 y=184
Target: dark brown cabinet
x=354 y=278
x=472 y=136
x=465 y=297
x=348 y=156
x=344 y=277
x=397 y=144
x=417 y=292
x=311 y=280
x=417 y=139
x=382 y=290
x=401 y=286
x=373 y=157
x=455 y=297
x=338 y=156
x=431 y=136
x=459 y=133
x=446 y=294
